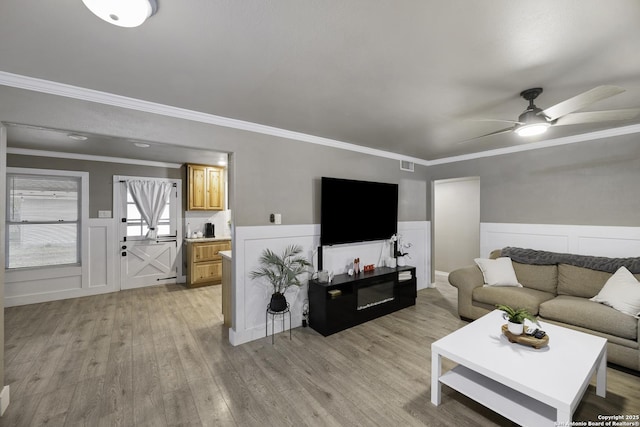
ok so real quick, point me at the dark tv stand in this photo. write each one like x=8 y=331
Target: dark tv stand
x=351 y=300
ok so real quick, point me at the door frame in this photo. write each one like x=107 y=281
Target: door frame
x=433 y=216
x=118 y=214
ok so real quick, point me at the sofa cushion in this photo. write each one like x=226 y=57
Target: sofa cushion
x=497 y=272
x=591 y=315
x=580 y=281
x=541 y=277
x=622 y=292
x=514 y=297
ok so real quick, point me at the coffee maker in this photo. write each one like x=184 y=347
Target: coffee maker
x=209 y=230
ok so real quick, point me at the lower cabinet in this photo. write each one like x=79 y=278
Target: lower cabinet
x=204 y=262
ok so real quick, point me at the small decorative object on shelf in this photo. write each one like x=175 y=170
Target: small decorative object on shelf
x=335 y=293
x=516 y=318
x=526 y=339
x=356 y=266
x=404 y=276
x=323 y=276
x=369 y=267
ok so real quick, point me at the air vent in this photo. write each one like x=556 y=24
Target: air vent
x=407 y=166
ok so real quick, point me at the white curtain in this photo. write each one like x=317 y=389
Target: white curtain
x=150 y=198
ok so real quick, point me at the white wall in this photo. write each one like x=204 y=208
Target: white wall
x=456 y=222
x=593 y=240
x=251 y=297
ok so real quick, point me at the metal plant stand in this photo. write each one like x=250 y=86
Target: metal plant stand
x=273 y=321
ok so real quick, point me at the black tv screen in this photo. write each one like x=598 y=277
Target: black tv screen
x=357 y=211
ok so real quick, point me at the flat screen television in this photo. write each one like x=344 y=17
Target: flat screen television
x=357 y=211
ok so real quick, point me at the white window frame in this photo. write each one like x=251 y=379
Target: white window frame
x=83 y=217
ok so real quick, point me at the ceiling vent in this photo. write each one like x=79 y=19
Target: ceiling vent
x=406 y=165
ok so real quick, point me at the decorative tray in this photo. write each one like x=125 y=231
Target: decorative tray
x=525 y=339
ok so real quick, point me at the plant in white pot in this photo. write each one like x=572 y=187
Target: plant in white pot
x=281 y=271
x=401 y=253
x=516 y=318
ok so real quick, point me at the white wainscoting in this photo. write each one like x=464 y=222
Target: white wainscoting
x=576 y=239
x=102 y=254
x=95 y=276
x=250 y=297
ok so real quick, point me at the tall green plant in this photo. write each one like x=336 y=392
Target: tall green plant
x=283 y=270
x=516 y=315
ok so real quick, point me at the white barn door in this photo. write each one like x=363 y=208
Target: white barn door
x=148 y=262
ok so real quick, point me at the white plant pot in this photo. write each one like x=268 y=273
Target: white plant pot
x=516 y=328
x=401 y=261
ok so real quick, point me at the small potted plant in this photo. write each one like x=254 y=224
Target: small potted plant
x=281 y=271
x=516 y=318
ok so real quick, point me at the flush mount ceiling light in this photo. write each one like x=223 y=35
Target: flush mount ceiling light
x=123 y=13
x=142 y=144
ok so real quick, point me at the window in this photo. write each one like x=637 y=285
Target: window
x=138 y=227
x=43 y=220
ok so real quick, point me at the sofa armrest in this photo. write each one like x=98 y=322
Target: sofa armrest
x=466 y=279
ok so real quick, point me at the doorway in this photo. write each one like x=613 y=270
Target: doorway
x=456 y=223
x=144 y=261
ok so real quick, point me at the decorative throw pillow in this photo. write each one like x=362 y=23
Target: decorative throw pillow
x=622 y=292
x=498 y=272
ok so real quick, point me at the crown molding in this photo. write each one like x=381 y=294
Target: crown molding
x=105 y=98
x=607 y=133
x=92 y=158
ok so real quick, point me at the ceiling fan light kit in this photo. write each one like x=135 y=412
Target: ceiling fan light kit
x=532 y=129
x=123 y=13
x=533 y=121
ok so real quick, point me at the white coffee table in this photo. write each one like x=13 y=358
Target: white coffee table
x=531 y=387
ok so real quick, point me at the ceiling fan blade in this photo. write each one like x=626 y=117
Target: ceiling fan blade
x=597 y=116
x=498 y=132
x=515 y=122
x=580 y=101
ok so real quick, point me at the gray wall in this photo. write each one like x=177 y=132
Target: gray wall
x=270 y=174
x=283 y=176
x=100 y=175
x=586 y=183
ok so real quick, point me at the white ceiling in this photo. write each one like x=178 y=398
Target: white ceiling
x=406 y=76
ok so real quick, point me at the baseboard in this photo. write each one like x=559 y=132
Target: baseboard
x=443 y=274
x=4 y=399
x=256 y=333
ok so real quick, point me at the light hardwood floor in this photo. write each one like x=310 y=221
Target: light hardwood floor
x=160 y=356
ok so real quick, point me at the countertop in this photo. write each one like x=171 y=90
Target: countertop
x=206 y=239
x=225 y=254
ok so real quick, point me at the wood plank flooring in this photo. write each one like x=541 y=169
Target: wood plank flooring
x=159 y=356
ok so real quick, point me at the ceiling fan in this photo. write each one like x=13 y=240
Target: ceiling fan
x=534 y=120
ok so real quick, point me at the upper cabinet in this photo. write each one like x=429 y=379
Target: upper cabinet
x=206 y=188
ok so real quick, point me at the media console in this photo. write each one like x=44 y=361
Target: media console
x=347 y=301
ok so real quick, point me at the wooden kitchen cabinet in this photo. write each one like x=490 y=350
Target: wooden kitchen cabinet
x=204 y=263
x=206 y=188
